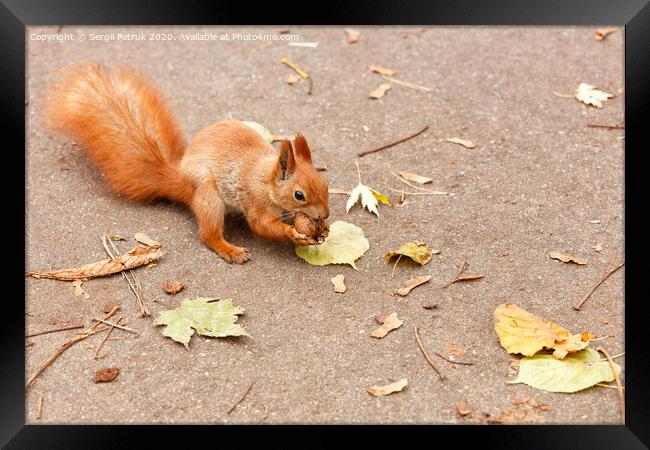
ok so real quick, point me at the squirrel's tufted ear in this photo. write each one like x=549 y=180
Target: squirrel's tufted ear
x=286 y=160
x=301 y=149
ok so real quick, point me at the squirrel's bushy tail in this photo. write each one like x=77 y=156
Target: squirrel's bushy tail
x=121 y=120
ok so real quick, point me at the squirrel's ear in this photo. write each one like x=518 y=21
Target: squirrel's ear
x=302 y=149
x=286 y=160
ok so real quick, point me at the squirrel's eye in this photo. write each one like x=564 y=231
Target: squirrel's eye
x=299 y=196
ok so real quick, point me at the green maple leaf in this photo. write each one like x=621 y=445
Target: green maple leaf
x=208 y=316
x=577 y=371
x=344 y=245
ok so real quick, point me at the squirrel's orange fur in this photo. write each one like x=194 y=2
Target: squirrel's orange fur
x=123 y=123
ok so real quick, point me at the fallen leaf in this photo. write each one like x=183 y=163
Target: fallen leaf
x=367 y=196
x=566 y=258
x=411 y=284
x=344 y=245
x=454 y=349
x=468 y=278
x=208 y=316
x=293 y=78
x=389 y=324
x=353 y=35
x=106 y=375
x=417 y=251
x=339 y=283
x=261 y=130
x=78 y=290
x=463 y=142
x=338 y=191
x=378 y=391
x=602 y=33
x=576 y=372
x=462 y=409
x=382 y=70
x=380 y=91
x=415 y=177
x=173 y=287
x=381 y=197
x=589 y=95
x=116 y=237
x=137 y=257
x=522 y=332
x=598 y=247
x=146 y=240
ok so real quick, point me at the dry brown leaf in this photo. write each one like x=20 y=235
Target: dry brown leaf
x=454 y=349
x=379 y=92
x=412 y=283
x=468 y=278
x=598 y=247
x=293 y=78
x=589 y=95
x=389 y=324
x=173 y=287
x=339 y=283
x=146 y=240
x=462 y=409
x=602 y=33
x=106 y=375
x=415 y=177
x=382 y=70
x=523 y=332
x=353 y=35
x=117 y=237
x=135 y=258
x=378 y=391
x=566 y=258
x=463 y=142
x=338 y=191
x=78 y=290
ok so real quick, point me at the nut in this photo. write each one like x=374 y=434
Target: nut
x=308 y=226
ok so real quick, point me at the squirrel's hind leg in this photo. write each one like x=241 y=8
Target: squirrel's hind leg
x=209 y=209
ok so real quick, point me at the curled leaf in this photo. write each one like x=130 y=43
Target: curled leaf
x=173 y=287
x=378 y=391
x=417 y=251
x=382 y=70
x=146 y=240
x=463 y=142
x=344 y=245
x=566 y=258
x=576 y=372
x=137 y=257
x=389 y=324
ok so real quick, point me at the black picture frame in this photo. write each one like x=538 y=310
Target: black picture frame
x=15 y=15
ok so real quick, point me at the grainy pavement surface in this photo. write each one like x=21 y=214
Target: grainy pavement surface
x=536 y=182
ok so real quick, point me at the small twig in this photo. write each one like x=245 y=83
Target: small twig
x=598 y=283
x=67 y=327
x=105 y=339
x=611 y=126
x=78 y=336
x=39 y=411
x=391 y=144
x=358 y=171
x=621 y=396
x=557 y=94
x=395 y=266
x=452 y=361
x=424 y=352
x=241 y=399
x=407 y=84
x=115 y=325
x=613 y=357
x=311 y=85
x=419 y=193
x=463 y=268
x=135 y=285
x=601 y=338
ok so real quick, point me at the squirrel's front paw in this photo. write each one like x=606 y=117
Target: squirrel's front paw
x=299 y=238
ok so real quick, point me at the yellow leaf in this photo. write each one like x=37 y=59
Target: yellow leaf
x=417 y=251
x=381 y=197
x=522 y=332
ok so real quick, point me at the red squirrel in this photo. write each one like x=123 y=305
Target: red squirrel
x=125 y=125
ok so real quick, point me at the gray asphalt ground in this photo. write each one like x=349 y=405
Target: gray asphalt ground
x=536 y=179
